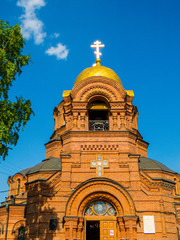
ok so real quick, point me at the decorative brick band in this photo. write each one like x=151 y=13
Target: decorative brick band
x=101 y=147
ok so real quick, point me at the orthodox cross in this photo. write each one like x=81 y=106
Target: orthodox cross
x=99 y=164
x=97 y=45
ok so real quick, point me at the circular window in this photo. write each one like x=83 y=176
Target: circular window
x=100 y=208
x=111 y=211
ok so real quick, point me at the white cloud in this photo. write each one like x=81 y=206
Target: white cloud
x=61 y=52
x=56 y=35
x=31 y=26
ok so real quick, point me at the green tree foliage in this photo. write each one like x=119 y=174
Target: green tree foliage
x=13 y=115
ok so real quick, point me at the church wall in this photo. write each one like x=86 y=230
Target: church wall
x=94 y=142
x=141 y=149
x=42 y=208
x=159 y=204
x=158 y=173
x=3 y=222
x=54 y=149
x=15 y=220
x=147 y=202
x=165 y=223
x=164 y=229
x=77 y=171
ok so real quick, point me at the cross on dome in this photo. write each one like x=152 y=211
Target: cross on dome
x=97 y=44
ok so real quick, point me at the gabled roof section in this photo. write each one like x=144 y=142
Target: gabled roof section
x=49 y=164
x=149 y=164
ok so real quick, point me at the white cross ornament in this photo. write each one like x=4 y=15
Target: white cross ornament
x=99 y=164
x=97 y=45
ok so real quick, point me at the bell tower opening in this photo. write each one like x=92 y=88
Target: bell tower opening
x=98 y=116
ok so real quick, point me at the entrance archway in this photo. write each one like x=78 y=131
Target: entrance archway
x=100 y=220
x=121 y=224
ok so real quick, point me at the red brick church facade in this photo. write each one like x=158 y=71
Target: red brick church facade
x=96 y=181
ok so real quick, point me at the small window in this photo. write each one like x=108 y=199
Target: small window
x=53 y=224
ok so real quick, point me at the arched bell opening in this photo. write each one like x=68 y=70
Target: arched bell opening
x=98 y=111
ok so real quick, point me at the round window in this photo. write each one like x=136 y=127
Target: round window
x=100 y=208
x=111 y=211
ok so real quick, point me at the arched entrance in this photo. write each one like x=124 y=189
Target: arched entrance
x=100 y=220
x=102 y=206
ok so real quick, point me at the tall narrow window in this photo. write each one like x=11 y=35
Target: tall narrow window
x=176 y=186
x=18 y=187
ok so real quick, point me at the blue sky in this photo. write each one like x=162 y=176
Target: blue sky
x=142 y=45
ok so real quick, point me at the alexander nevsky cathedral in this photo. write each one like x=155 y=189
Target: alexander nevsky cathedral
x=96 y=182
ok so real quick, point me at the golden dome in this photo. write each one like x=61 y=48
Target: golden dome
x=97 y=71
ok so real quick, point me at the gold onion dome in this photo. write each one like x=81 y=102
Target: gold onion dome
x=97 y=71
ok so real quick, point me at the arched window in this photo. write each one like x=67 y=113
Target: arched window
x=21 y=233
x=176 y=186
x=100 y=208
x=18 y=187
x=98 y=116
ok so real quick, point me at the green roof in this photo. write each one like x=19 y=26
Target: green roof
x=149 y=164
x=25 y=171
x=49 y=164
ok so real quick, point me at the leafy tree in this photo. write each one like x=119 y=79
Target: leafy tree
x=13 y=115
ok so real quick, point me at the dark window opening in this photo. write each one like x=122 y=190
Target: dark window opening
x=98 y=116
x=92 y=230
x=53 y=224
x=21 y=233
